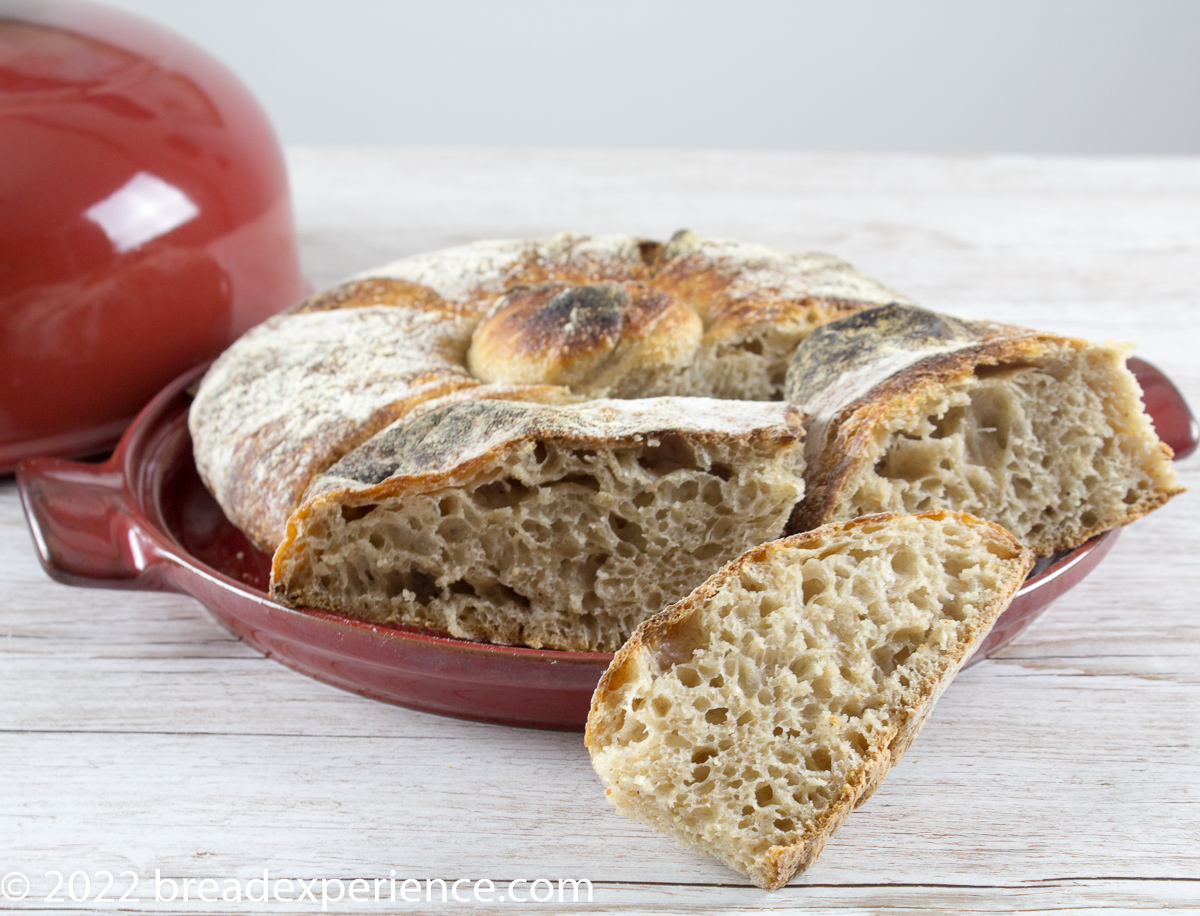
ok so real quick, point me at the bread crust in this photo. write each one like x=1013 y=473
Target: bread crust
x=734 y=286
x=447 y=444
x=597 y=339
x=785 y=862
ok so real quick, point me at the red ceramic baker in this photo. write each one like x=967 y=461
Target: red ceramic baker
x=145 y=221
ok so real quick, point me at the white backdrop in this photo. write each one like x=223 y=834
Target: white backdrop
x=926 y=76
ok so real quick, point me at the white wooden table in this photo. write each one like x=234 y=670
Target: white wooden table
x=1062 y=775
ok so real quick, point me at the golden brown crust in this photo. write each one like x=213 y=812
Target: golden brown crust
x=355 y=294
x=733 y=286
x=589 y=337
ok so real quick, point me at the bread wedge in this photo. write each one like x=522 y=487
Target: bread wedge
x=749 y=719
x=912 y=410
x=560 y=526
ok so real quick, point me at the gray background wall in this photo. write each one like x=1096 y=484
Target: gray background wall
x=936 y=76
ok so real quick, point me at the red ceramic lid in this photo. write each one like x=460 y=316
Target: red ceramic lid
x=145 y=221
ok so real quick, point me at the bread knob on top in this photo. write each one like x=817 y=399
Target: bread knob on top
x=599 y=339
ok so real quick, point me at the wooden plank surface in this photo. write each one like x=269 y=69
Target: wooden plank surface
x=1059 y=776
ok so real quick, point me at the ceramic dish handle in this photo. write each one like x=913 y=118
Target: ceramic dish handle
x=83 y=520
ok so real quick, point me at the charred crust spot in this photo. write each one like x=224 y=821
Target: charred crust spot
x=856 y=340
x=435 y=441
x=908 y=322
x=552 y=333
x=581 y=317
x=555 y=318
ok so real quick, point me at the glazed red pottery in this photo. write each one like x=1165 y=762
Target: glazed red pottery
x=145 y=221
x=143 y=520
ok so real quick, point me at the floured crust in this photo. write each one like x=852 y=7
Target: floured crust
x=734 y=285
x=445 y=444
x=475 y=274
x=297 y=393
x=756 y=305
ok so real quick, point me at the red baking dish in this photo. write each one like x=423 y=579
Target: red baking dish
x=143 y=520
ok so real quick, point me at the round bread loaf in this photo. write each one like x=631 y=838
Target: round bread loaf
x=317 y=418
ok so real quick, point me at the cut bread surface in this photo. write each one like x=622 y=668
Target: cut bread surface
x=747 y=720
x=1042 y=434
x=559 y=527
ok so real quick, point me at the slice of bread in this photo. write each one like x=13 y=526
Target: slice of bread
x=911 y=410
x=548 y=526
x=749 y=719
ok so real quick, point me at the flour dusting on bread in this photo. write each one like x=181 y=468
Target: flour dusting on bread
x=901 y=409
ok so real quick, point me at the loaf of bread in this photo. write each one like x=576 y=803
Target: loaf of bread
x=749 y=719
x=520 y=441
x=911 y=410
x=442 y=380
